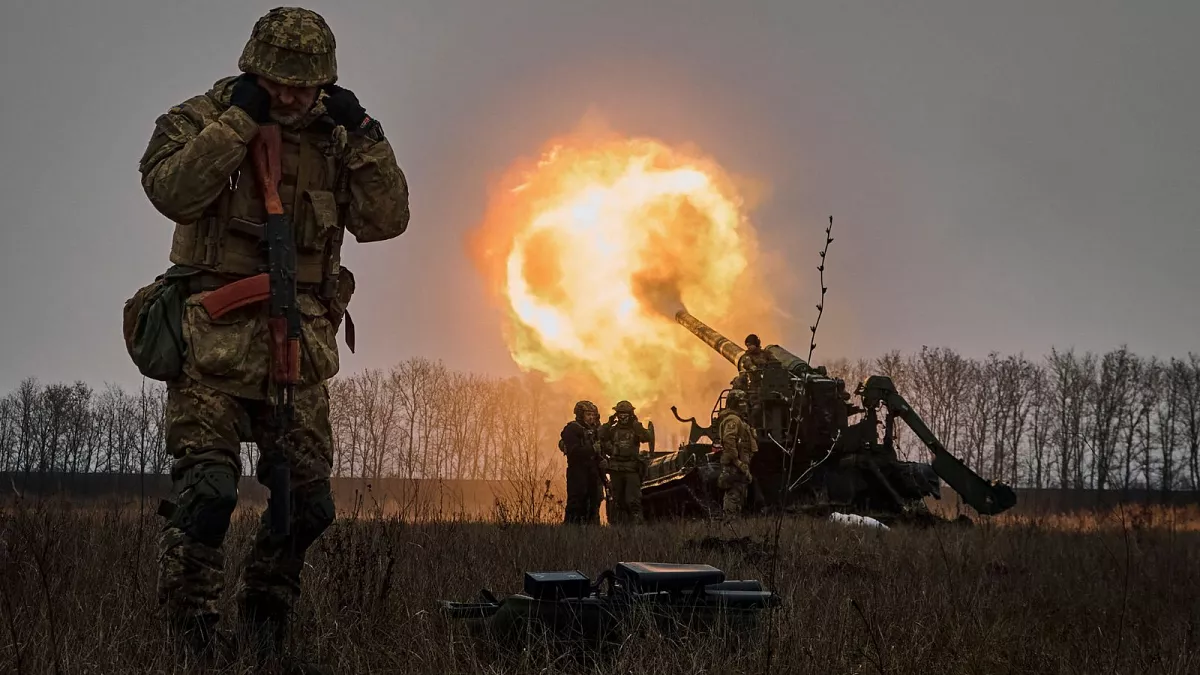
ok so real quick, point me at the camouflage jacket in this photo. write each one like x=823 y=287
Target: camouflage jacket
x=738 y=442
x=756 y=360
x=196 y=170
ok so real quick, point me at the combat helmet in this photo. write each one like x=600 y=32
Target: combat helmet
x=623 y=407
x=585 y=407
x=752 y=339
x=736 y=400
x=291 y=46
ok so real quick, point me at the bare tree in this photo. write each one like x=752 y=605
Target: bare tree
x=9 y=430
x=1189 y=389
x=1040 y=422
x=940 y=384
x=1149 y=392
x=1071 y=384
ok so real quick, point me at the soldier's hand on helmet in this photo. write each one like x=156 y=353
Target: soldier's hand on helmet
x=343 y=107
x=248 y=95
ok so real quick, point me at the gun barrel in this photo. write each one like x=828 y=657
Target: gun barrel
x=720 y=344
x=792 y=363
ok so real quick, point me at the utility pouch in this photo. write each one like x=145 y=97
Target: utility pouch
x=153 y=327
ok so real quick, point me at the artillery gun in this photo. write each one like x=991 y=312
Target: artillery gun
x=809 y=451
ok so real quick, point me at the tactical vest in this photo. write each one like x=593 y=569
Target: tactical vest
x=228 y=239
x=625 y=442
x=588 y=439
x=747 y=444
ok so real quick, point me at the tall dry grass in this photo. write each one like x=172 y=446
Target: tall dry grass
x=1103 y=593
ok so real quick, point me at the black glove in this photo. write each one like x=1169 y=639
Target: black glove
x=344 y=108
x=251 y=98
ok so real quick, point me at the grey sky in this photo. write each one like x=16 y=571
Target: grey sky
x=1003 y=175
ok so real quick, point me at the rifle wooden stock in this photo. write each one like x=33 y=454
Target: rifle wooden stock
x=285 y=353
x=265 y=148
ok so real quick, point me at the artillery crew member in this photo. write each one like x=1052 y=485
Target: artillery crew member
x=755 y=357
x=620 y=441
x=338 y=173
x=578 y=441
x=738 y=447
x=750 y=366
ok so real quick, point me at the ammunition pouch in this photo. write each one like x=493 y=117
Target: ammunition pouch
x=152 y=325
x=318 y=335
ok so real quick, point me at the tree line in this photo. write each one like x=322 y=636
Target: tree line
x=1068 y=420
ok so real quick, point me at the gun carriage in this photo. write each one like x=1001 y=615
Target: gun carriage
x=818 y=445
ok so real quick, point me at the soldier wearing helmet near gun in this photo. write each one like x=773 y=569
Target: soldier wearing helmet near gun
x=738 y=447
x=750 y=366
x=584 y=483
x=336 y=172
x=620 y=442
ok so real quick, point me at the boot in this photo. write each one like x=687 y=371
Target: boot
x=196 y=635
x=266 y=622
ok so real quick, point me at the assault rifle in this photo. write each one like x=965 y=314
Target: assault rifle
x=278 y=286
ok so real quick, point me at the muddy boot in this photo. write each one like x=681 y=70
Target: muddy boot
x=265 y=624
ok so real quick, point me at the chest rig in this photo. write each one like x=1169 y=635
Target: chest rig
x=625 y=442
x=228 y=241
x=587 y=438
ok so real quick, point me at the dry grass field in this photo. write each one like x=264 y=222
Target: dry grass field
x=1114 y=592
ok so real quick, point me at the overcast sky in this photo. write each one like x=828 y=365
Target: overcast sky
x=1004 y=176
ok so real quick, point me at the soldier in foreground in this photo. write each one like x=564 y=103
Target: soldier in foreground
x=738 y=446
x=584 y=488
x=620 y=442
x=339 y=174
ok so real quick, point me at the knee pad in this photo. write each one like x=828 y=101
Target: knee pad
x=206 y=503
x=314 y=512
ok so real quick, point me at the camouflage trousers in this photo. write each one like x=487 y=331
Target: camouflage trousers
x=204 y=429
x=736 y=486
x=585 y=491
x=626 y=504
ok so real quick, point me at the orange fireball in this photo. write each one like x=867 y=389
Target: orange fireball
x=592 y=247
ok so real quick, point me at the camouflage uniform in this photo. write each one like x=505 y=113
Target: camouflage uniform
x=738 y=447
x=197 y=171
x=756 y=359
x=750 y=366
x=620 y=440
x=584 y=484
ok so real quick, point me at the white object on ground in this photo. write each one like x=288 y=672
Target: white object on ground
x=855 y=519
